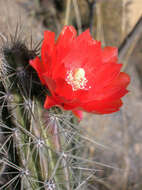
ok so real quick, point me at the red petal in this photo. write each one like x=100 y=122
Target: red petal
x=116 y=89
x=47 y=50
x=85 y=53
x=68 y=34
x=38 y=66
x=102 y=107
x=78 y=114
x=63 y=45
x=49 y=83
x=98 y=80
x=106 y=74
x=58 y=101
x=64 y=90
x=71 y=106
x=85 y=37
x=110 y=54
x=123 y=80
x=49 y=102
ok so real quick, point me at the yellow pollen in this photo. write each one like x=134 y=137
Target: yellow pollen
x=76 y=79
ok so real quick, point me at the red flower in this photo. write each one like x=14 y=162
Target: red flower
x=79 y=73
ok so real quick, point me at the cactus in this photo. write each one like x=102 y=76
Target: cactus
x=40 y=149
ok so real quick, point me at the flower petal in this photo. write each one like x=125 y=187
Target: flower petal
x=67 y=35
x=103 y=107
x=64 y=90
x=85 y=53
x=78 y=114
x=47 y=50
x=104 y=75
x=110 y=54
x=49 y=102
x=116 y=89
x=38 y=66
x=63 y=45
x=99 y=81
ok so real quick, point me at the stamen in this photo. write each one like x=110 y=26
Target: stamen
x=76 y=78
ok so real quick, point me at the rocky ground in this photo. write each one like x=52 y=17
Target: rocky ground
x=120 y=133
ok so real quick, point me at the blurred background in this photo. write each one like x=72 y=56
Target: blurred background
x=117 y=23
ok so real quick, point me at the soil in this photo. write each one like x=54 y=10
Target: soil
x=120 y=133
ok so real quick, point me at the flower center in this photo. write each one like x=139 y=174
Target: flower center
x=76 y=78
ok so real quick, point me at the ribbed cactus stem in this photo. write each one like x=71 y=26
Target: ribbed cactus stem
x=40 y=136
x=51 y=144
x=57 y=156
x=20 y=135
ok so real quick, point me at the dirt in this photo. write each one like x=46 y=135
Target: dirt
x=120 y=133
x=135 y=11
